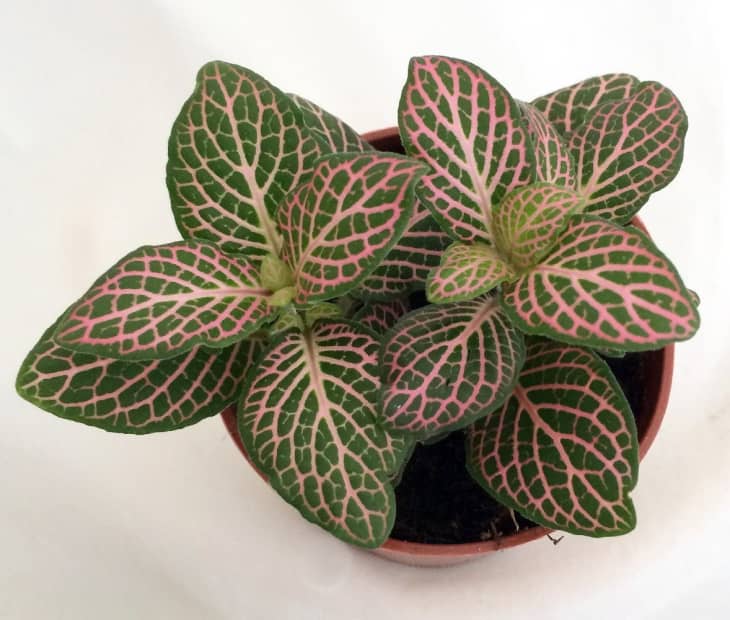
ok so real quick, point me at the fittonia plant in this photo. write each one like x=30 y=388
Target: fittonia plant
x=290 y=293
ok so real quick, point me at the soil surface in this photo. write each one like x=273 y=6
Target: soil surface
x=439 y=503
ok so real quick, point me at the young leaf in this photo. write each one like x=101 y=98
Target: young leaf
x=339 y=225
x=444 y=366
x=160 y=301
x=127 y=396
x=464 y=124
x=380 y=316
x=604 y=286
x=287 y=318
x=567 y=107
x=307 y=420
x=466 y=271
x=235 y=150
x=528 y=221
x=626 y=150
x=332 y=134
x=321 y=310
x=563 y=449
x=553 y=161
x=406 y=267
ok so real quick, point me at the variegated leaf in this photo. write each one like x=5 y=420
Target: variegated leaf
x=465 y=272
x=380 y=316
x=528 y=221
x=128 y=396
x=445 y=366
x=406 y=267
x=553 y=161
x=332 y=134
x=563 y=449
x=566 y=108
x=626 y=150
x=605 y=286
x=235 y=150
x=159 y=301
x=464 y=124
x=307 y=419
x=339 y=225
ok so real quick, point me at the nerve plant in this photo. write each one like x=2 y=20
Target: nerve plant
x=291 y=293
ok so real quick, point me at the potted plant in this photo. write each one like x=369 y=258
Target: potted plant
x=350 y=308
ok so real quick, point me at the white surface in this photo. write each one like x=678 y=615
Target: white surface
x=94 y=525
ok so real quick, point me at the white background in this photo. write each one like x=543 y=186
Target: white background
x=94 y=525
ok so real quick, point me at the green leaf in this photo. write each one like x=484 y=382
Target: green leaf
x=160 y=301
x=466 y=127
x=332 y=134
x=340 y=224
x=444 y=366
x=406 y=267
x=380 y=316
x=567 y=107
x=528 y=221
x=126 y=396
x=275 y=273
x=235 y=150
x=322 y=310
x=282 y=297
x=554 y=163
x=563 y=449
x=467 y=271
x=628 y=149
x=604 y=286
x=307 y=420
x=287 y=318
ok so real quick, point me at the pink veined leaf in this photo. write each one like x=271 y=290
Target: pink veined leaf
x=553 y=161
x=465 y=272
x=563 y=449
x=160 y=301
x=406 y=267
x=528 y=221
x=466 y=127
x=307 y=420
x=628 y=149
x=134 y=396
x=339 y=225
x=332 y=134
x=566 y=108
x=235 y=150
x=380 y=316
x=605 y=286
x=444 y=366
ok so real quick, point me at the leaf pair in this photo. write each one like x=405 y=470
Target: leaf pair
x=550 y=432
x=577 y=279
x=613 y=139
x=525 y=226
x=625 y=136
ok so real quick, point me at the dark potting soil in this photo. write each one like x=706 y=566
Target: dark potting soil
x=437 y=502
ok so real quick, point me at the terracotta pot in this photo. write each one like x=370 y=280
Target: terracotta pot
x=659 y=366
